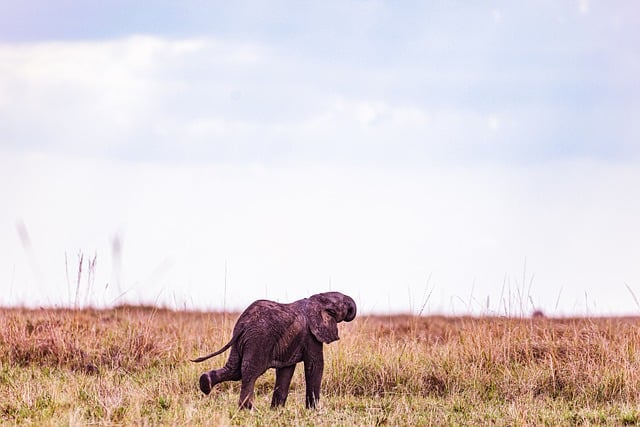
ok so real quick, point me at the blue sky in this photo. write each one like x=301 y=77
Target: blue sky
x=440 y=139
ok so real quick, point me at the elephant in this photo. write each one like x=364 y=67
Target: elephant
x=269 y=334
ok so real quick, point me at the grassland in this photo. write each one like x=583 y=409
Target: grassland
x=130 y=365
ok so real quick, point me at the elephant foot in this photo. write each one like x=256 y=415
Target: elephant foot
x=246 y=404
x=205 y=383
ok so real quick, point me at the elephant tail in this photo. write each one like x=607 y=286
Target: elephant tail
x=222 y=350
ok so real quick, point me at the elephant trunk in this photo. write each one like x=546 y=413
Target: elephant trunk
x=351 y=311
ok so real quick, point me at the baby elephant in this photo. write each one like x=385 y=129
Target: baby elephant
x=273 y=335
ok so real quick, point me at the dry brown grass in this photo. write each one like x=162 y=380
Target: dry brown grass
x=582 y=360
x=130 y=365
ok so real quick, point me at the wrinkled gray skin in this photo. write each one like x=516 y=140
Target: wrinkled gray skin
x=273 y=335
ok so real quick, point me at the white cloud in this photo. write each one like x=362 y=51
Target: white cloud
x=203 y=99
x=92 y=97
x=497 y=16
x=214 y=100
x=493 y=123
x=214 y=128
x=583 y=6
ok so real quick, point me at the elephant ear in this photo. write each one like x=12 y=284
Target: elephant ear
x=322 y=325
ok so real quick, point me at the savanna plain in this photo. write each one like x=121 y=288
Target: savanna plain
x=130 y=365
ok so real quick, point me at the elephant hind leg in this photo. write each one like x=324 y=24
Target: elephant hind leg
x=230 y=372
x=211 y=378
x=246 y=393
x=281 y=389
x=251 y=369
x=205 y=383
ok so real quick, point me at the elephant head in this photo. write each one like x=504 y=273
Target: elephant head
x=324 y=311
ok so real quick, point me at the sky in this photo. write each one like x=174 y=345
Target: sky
x=422 y=157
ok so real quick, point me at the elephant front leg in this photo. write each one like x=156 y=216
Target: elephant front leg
x=281 y=389
x=313 y=377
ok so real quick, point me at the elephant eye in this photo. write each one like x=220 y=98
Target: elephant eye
x=332 y=312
